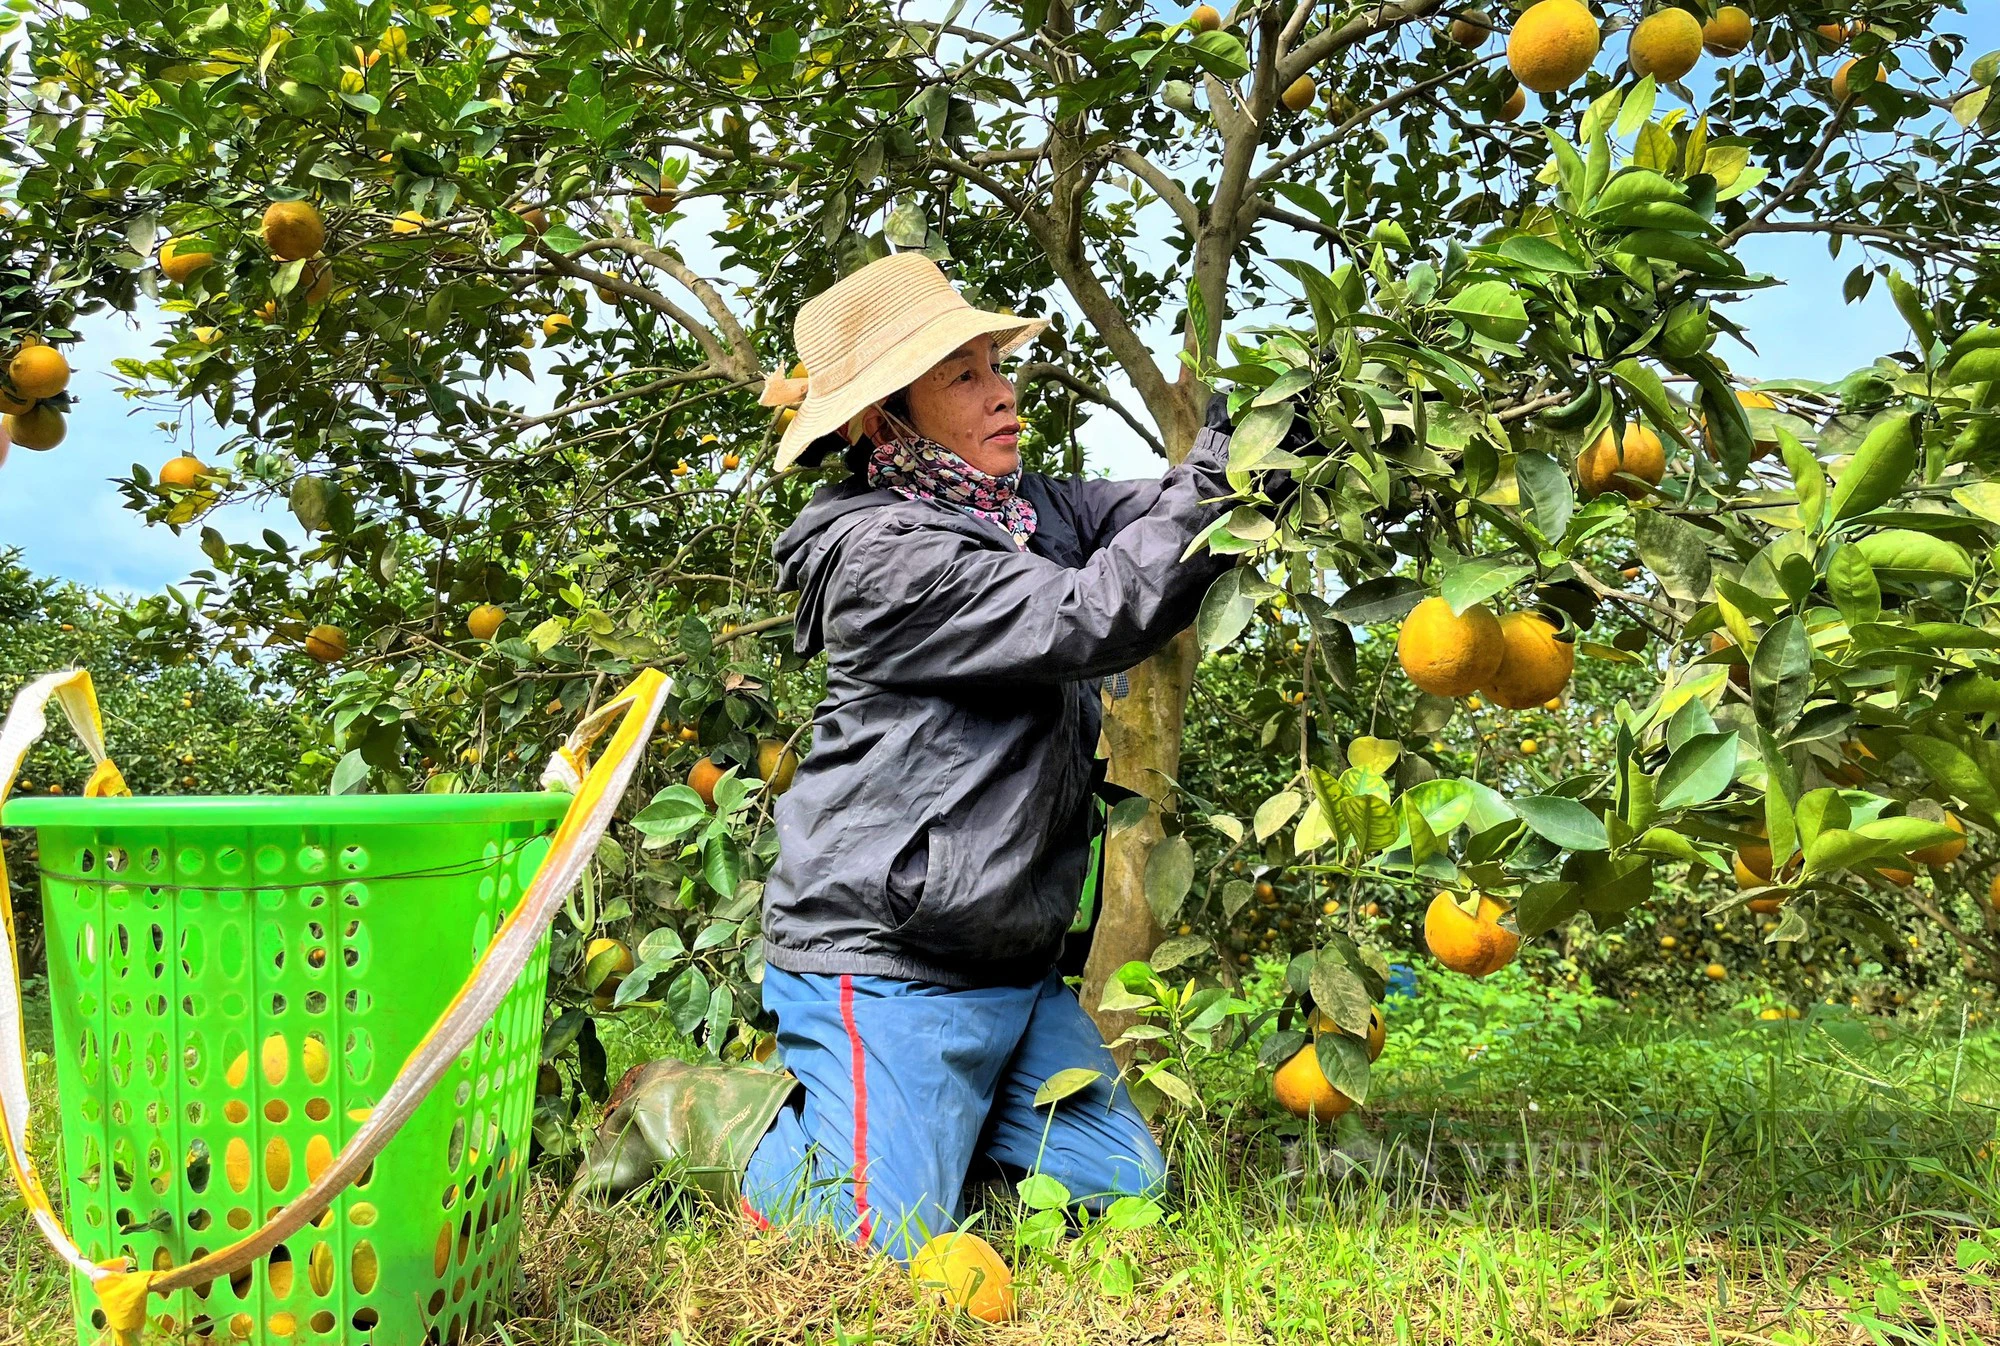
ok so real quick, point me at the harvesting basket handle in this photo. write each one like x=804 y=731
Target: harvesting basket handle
x=595 y=789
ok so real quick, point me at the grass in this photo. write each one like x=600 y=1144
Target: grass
x=1537 y=1166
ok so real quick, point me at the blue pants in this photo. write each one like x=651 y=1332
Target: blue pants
x=907 y=1083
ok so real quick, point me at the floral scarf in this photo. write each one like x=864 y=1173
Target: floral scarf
x=922 y=469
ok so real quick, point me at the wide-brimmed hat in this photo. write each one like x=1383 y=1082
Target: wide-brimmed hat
x=873 y=333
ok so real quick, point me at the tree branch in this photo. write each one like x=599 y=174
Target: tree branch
x=1055 y=373
x=1379 y=18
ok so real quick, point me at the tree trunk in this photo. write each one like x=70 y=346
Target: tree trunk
x=1143 y=730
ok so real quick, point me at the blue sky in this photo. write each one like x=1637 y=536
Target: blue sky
x=61 y=508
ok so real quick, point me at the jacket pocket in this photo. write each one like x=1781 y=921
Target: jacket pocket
x=973 y=911
x=908 y=878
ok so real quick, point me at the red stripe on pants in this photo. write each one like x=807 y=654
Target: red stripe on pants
x=860 y=1107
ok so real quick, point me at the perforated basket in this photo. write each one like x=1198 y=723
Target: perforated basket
x=235 y=982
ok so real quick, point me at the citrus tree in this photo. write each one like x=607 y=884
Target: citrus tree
x=1486 y=335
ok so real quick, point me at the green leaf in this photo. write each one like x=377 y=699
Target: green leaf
x=1065 y=1083
x=1344 y=1062
x=1808 y=480
x=1905 y=834
x=1386 y=599
x=1255 y=438
x=1638 y=107
x=1675 y=551
x=1173 y=952
x=1564 y=822
x=1221 y=54
x=1837 y=848
x=1781 y=674
x=1904 y=553
x=1339 y=993
x=1373 y=754
x=1851 y=581
x=1225 y=609
x=1956 y=771
x=1698 y=771
x=1275 y=812
x=1477 y=580
x=1910 y=303
x=1547 y=496
x=1981 y=498
x=1169 y=875
x=1040 y=1191
x=1491 y=308
x=1880 y=468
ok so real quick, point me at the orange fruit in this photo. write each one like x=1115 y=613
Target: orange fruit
x=1738 y=673
x=1299 y=94
x=730 y=462
x=484 y=620
x=1945 y=851
x=1765 y=906
x=1844 y=82
x=702 y=778
x=181 y=472
x=38 y=427
x=963 y=1270
x=1599 y=466
x=180 y=258
x=1449 y=655
x=776 y=765
x=1715 y=972
x=537 y=221
x=38 y=372
x=1206 y=18
x=1474 y=945
x=1835 y=34
x=408 y=222
x=1471 y=28
x=621 y=964
x=326 y=644
x=1552 y=45
x=1665 y=44
x=317 y=281
x=1304 y=1090
x=1902 y=878
x=1535 y=664
x=1727 y=33
x=1516 y=104
x=293 y=230
x=1993 y=893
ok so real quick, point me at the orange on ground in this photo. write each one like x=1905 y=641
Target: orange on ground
x=963 y=1271
x=37 y=428
x=702 y=777
x=38 y=372
x=484 y=620
x=180 y=258
x=776 y=765
x=1448 y=655
x=1945 y=851
x=293 y=230
x=1304 y=1090
x=1471 y=29
x=621 y=964
x=1665 y=44
x=1298 y=95
x=326 y=644
x=1534 y=664
x=1473 y=945
x=1727 y=33
x=1516 y=104
x=181 y=472
x=1642 y=456
x=1206 y=18
x=1552 y=45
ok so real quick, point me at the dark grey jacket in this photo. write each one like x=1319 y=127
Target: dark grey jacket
x=939 y=829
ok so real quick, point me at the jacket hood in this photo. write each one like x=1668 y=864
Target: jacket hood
x=805 y=550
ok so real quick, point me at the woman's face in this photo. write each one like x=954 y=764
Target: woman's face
x=965 y=404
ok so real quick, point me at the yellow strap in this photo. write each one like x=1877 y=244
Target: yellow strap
x=123 y=1290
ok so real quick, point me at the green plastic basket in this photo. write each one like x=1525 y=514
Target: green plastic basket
x=235 y=981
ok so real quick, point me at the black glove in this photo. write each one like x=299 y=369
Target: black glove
x=1218 y=414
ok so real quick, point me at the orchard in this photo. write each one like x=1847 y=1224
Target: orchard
x=1569 y=638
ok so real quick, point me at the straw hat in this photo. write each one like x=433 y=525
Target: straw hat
x=873 y=333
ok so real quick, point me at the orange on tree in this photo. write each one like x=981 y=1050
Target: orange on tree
x=1476 y=944
x=1535 y=662
x=1765 y=906
x=537 y=221
x=1738 y=673
x=1945 y=851
x=1715 y=972
x=38 y=427
x=617 y=961
x=408 y=222
x=180 y=258
x=1299 y=94
x=293 y=230
x=1304 y=1090
x=317 y=280
x=484 y=620
x=182 y=472
x=730 y=462
x=326 y=644
x=38 y=371
x=659 y=202
x=1642 y=455
x=1993 y=893
x=776 y=765
x=555 y=324
x=1552 y=45
x=1446 y=654
x=1376 y=1036
x=1471 y=29
x=1206 y=18
x=702 y=777
x=1833 y=34
x=1902 y=878
x=1266 y=893
x=1529 y=747
x=1666 y=44
x=12 y=405
x=1727 y=33
x=1516 y=104
x=1846 y=83
x=962 y=1270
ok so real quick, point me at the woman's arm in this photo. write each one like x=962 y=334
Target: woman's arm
x=926 y=605
x=1102 y=508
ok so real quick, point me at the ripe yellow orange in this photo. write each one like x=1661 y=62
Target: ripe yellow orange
x=1449 y=655
x=12 y=405
x=409 y=222
x=1847 y=83
x=1833 y=34
x=1378 y=1033
x=1715 y=972
x=776 y=765
x=1765 y=906
x=394 y=43
x=293 y=230
x=1668 y=942
x=620 y=966
x=659 y=202
x=963 y=1270
x=1471 y=28
x=537 y=221
x=484 y=620
x=1727 y=33
x=1529 y=747
x=1304 y=1090
x=181 y=472
x=38 y=427
x=1516 y=104
x=326 y=644
x=702 y=778
x=1945 y=851
x=1206 y=18
x=317 y=280
x=1902 y=878
x=730 y=462
x=681 y=469
x=38 y=371
x=1535 y=664
x=1552 y=45
x=1299 y=94
x=1665 y=44
x=1599 y=466
x=1474 y=945
x=555 y=324
x=180 y=258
